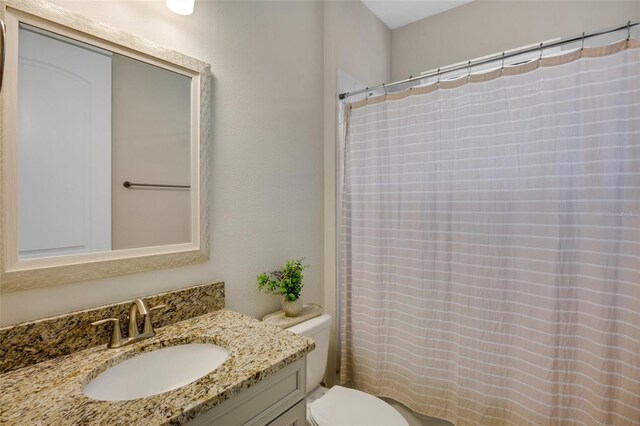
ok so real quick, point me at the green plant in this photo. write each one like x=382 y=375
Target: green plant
x=287 y=281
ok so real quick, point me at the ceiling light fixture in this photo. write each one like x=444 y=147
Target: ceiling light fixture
x=181 y=7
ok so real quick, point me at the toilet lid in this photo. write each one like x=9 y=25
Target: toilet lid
x=348 y=407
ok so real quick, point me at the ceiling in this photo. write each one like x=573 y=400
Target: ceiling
x=396 y=13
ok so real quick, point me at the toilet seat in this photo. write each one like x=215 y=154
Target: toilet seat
x=349 y=407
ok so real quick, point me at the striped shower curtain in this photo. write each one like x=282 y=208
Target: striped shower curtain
x=490 y=243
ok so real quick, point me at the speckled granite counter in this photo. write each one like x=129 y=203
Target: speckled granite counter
x=36 y=341
x=50 y=392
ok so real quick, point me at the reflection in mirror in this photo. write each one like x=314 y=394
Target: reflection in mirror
x=85 y=109
x=89 y=120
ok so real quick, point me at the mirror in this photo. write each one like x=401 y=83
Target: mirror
x=123 y=120
x=103 y=151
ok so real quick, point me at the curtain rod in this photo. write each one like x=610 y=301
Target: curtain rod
x=497 y=57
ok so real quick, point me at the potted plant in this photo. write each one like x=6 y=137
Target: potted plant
x=288 y=282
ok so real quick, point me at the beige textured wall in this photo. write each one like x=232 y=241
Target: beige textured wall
x=266 y=150
x=150 y=143
x=483 y=27
x=357 y=42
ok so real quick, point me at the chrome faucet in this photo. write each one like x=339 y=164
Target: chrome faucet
x=138 y=307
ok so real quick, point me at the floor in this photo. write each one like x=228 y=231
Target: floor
x=415 y=419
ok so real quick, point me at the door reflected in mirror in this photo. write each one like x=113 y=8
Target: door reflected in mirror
x=89 y=120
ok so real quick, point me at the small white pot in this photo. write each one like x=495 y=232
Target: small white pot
x=291 y=308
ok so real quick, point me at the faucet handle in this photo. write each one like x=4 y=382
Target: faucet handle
x=158 y=307
x=106 y=320
x=116 y=335
x=148 y=325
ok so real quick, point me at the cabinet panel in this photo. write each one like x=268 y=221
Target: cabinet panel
x=294 y=416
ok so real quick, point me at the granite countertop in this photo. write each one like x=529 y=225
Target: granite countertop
x=50 y=392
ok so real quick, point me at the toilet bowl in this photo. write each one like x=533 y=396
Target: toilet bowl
x=338 y=406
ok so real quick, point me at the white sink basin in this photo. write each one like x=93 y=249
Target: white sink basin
x=156 y=372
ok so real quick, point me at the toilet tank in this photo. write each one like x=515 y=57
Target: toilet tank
x=317 y=329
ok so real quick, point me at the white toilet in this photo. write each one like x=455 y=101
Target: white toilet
x=338 y=406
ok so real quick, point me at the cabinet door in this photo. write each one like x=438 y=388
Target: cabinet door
x=294 y=416
x=262 y=403
x=64 y=162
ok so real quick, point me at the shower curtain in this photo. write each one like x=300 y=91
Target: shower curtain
x=490 y=243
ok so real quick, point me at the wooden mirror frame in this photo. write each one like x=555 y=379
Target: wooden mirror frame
x=17 y=274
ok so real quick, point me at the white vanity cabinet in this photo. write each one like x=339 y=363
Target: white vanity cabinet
x=278 y=400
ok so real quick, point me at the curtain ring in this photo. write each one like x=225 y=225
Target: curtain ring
x=438 y=75
x=468 y=70
x=628 y=30
x=582 y=48
x=385 y=90
x=502 y=67
x=540 y=58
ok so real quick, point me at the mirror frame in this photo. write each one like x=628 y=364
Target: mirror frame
x=17 y=274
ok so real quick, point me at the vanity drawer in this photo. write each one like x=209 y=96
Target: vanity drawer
x=261 y=403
